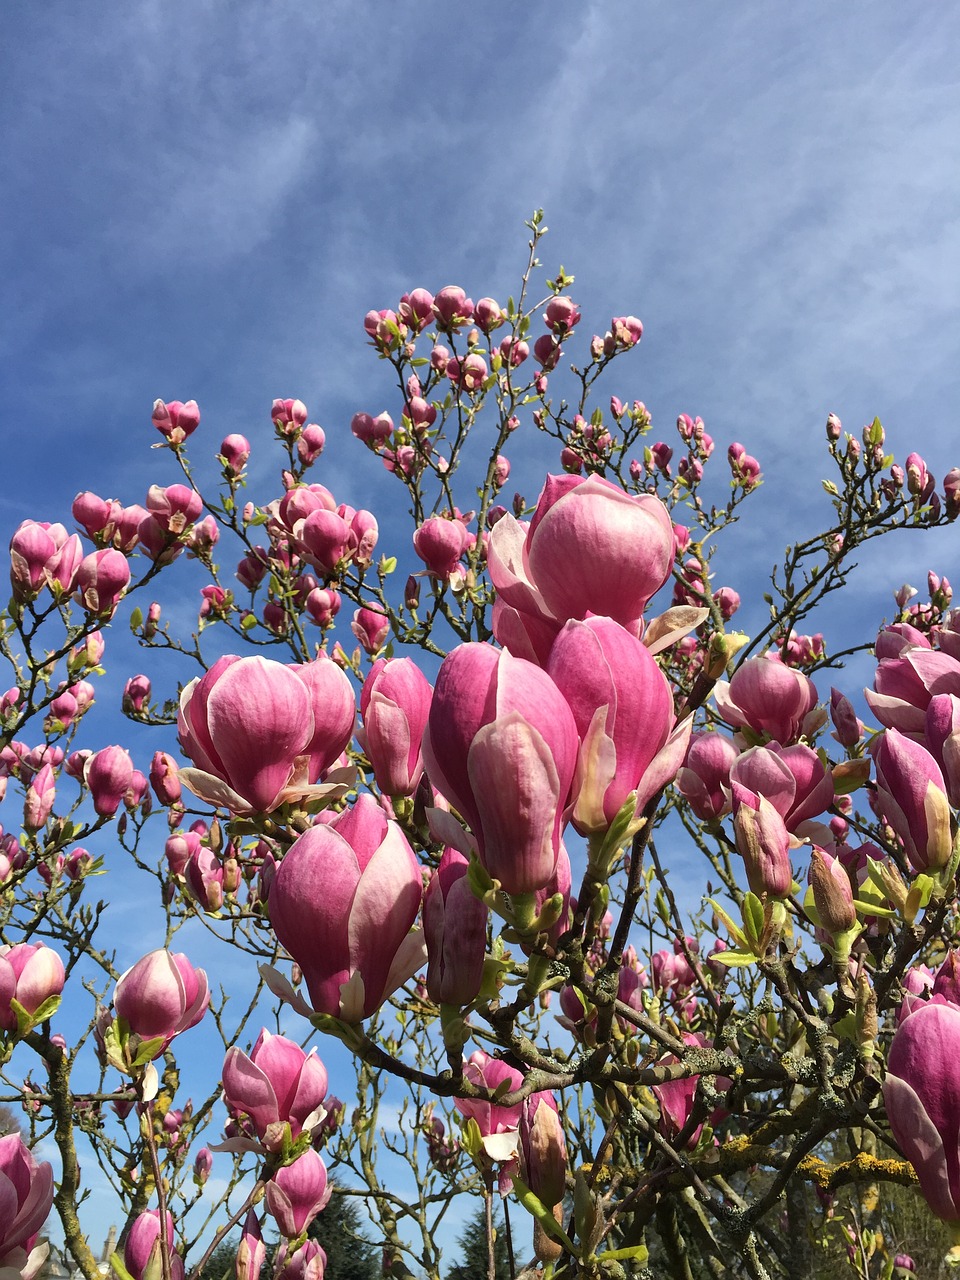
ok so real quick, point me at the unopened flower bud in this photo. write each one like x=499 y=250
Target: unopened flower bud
x=832 y=894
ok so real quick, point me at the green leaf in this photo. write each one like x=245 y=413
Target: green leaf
x=734 y=930
x=387 y=565
x=753 y=920
x=136 y=619
x=734 y=959
x=830 y=488
x=535 y=1206
x=471 y=1138
x=868 y=908
x=638 y=1251
x=47 y=1009
x=149 y=1049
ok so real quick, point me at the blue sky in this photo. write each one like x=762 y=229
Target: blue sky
x=202 y=200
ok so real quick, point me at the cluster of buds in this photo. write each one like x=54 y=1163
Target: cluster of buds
x=45 y=557
x=801 y=651
x=692 y=587
x=589 y=445
x=699 y=448
x=624 y=332
x=744 y=468
x=290 y=423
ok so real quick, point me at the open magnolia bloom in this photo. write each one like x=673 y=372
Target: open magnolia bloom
x=261 y=733
x=277 y=1085
x=26 y=1198
x=589 y=549
x=501 y=746
x=343 y=904
x=921 y=1093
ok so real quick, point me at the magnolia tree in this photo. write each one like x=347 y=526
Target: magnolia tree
x=444 y=844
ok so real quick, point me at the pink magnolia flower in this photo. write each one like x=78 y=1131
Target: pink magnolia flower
x=441 y=544
x=308 y=1263
x=30 y=973
x=676 y=1097
x=469 y=372
x=161 y=996
x=921 y=1093
x=175 y=507
x=514 y=351
x=455 y=930
x=252 y=1252
x=627 y=330
x=323 y=539
x=204 y=879
x=561 y=315
x=373 y=432
x=903 y=685
x=371 y=627
x=590 y=548
x=26 y=1198
x=136 y=692
x=543 y=1150
x=793 y=779
x=763 y=842
x=745 y=469
x=547 y=353
x=176 y=420
x=343 y=903
x=142 y=1250
x=499 y=1126
x=501 y=745
x=416 y=309
x=912 y=798
x=488 y=314
x=102 y=578
x=769 y=697
x=202 y=1166
x=39 y=799
x=32 y=550
x=704 y=780
x=286 y=413
x=164 y=778
x=943 y=739
x=394 y=705
x=297 y=1193
x=235 y=452
x=275 y=1086
x=623 y=709
x=108 y=774
x=311 y=443
x=260 y=732
x=322 y=605
x=452 y=308
x=848 y=728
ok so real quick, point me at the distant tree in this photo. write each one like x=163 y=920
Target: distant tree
x=8 y=1121
x=222 y=1262
x=472 y=1246
x=339 y=1231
